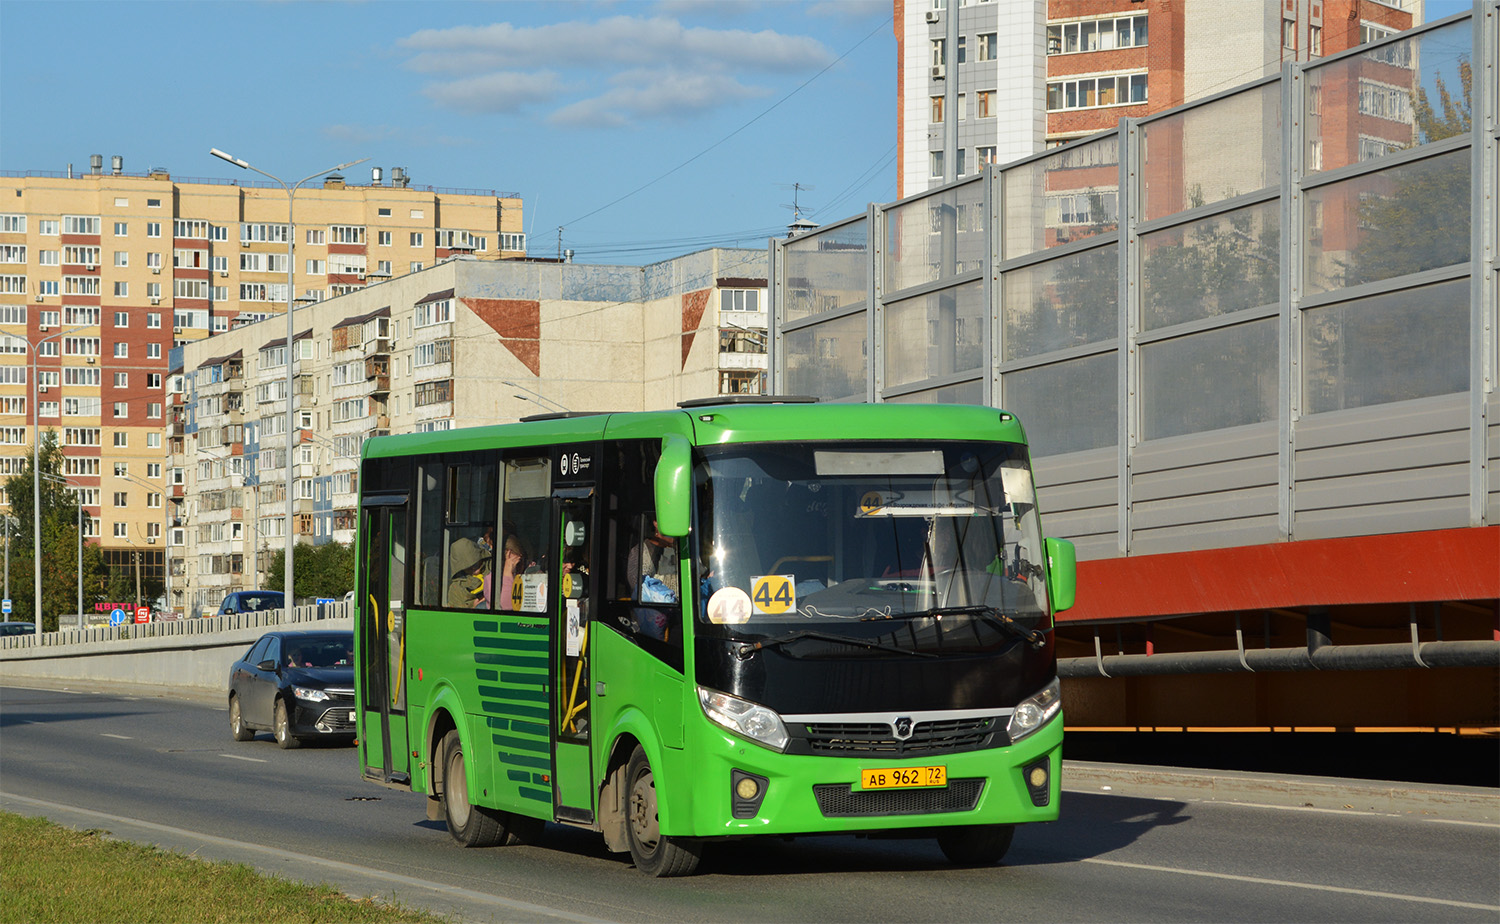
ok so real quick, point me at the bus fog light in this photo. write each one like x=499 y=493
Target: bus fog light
x=1035 y=711
x=1038 y=777
x=746 y=792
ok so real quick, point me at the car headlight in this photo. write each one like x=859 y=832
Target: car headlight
x=1035 y=710
x=759 y=724
x=309 y=694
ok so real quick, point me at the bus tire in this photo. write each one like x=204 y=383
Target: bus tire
x=655 y=854
x=470 y=825
x=976 y=845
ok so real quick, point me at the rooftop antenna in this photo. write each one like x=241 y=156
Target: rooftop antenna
x=799 y=222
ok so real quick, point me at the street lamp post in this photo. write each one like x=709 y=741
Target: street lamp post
x=36 y=481
x=291 y=234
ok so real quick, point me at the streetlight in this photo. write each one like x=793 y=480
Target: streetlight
x=36 y=480
x=538 y=395
x=291 y=345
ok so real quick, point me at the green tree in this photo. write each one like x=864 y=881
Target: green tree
x=59 y=542
x=325 y=570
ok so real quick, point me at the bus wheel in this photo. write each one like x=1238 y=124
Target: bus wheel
x=470 y=825
x=976 y=845
x=654 y=853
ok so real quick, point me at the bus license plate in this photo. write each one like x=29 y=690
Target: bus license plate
x=903 y=778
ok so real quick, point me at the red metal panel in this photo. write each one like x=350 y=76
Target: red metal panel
x=1448 y=564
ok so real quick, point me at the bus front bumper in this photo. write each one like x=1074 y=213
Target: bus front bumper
x=795 y=794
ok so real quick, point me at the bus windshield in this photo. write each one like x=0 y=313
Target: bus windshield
x=822 y=537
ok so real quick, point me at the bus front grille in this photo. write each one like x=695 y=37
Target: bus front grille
x=841 y=800
x=866 y=739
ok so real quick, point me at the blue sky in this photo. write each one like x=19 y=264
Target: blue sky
x=646 y=130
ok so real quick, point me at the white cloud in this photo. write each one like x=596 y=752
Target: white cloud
x=627 y=40
x=503 y=91
x=649 y=95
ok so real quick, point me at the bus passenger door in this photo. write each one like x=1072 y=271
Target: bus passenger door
x=573 y=782
x=380 y=627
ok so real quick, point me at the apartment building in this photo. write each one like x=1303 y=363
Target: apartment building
x=1025 y=75
x=102 y=272
x=460 y=344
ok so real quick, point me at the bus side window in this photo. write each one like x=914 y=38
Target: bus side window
x=645 y=601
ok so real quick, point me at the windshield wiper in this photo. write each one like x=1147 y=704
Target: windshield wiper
x=990 y=614
x=746 y=650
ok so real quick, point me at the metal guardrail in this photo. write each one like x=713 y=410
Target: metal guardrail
x=174 y=628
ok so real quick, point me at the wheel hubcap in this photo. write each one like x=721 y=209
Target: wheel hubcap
x=643 y=821
x=457 y=790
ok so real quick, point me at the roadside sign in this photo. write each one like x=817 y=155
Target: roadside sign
x=143 y=613
x=5 y=606
x=324 y=601
x=117 y=617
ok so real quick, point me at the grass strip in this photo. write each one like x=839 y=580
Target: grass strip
x=55 y=875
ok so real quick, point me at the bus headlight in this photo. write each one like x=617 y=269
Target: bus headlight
x=759 y=724
x=1035 y=710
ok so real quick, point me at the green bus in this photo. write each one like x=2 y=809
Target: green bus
x=737 y=618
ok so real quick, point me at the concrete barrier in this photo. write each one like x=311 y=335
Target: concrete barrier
x=192 y=654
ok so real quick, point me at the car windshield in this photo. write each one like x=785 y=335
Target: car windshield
x=851 y=538
x=267 y=601
x=319 y=651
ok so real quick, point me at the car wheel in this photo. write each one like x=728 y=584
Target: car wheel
x=471 y=825
x=655 y=854
x=237 y=726
x=282 y=726
x=976 y=845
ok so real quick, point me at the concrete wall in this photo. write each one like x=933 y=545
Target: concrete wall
x=188 y=653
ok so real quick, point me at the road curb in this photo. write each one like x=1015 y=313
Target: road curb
x=1449 y=803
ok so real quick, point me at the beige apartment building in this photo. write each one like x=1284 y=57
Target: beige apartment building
x=460 y=344
x=103 y=273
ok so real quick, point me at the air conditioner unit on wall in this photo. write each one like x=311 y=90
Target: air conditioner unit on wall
x=932 y=16
x=39 y=297
x=938 y=72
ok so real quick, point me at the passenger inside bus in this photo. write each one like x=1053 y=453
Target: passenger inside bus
x=513 y=555
x=652 y=571
x=470 y=567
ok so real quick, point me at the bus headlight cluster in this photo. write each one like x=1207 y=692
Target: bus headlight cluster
x=759 y=724
x=1035 y=710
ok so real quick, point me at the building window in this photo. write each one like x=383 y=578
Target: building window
x=122 y=290
x=122 y=410
x=1110 y=32
x=153 y=229
x=416 y=238
x=1096 y=92
x=985 y=46
x=122 y=229
x=347 y=234
x=935 y=159
x=739 y=300
x=153 y=351
x=1315 y=41
x=984 y=101
x=317 y=267
x=385 y=238
x=937 y=109
x=315 y=236
x=985 y=154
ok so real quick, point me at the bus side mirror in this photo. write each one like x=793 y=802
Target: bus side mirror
x=1062 y=573
x=674 y=486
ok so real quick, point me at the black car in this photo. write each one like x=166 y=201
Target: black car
x=17 y=628
x=300 y=685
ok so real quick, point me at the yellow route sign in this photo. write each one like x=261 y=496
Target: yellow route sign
x=773 y=594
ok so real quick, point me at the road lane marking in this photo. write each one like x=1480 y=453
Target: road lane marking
x=1257 y=880
x=253 y=760
x=441 y=889
x=121 y=737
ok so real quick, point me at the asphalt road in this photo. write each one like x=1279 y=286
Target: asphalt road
x=165 y=771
